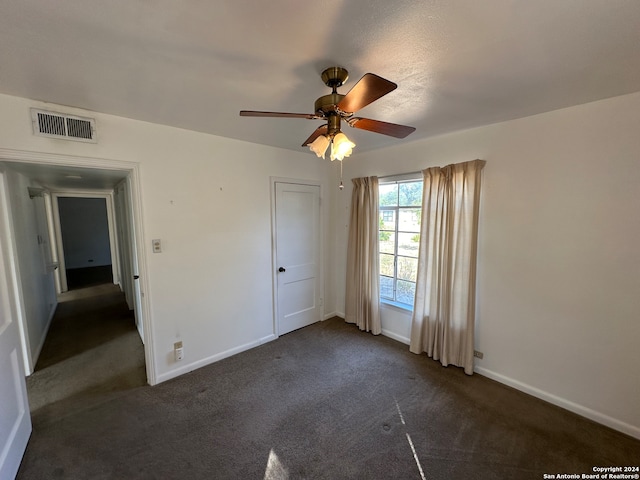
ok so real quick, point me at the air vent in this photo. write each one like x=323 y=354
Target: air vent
x=60 y=125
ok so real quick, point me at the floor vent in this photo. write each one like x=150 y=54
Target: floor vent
x=60 y=125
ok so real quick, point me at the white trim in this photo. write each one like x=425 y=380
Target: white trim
x=395 y=336
x=18 y=309
x=60 y=274
x=43 y=337
x=53 y=239
x=214 y=358
x=327 y=316
x=133 y=170
x=135 y=192
x=598 y=417
x=111 y=225
x=23 y=156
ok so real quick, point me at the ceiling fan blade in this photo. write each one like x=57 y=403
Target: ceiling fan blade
x=251 y=113
x=391 y=129
x=368 y=89
x=317 y=132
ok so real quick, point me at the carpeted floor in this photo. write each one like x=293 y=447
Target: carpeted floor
x=323 y=402
x=92 y=348
x=89 y=276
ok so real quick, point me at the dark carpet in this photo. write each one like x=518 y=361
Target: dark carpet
x=323 y=402
x=89 y=276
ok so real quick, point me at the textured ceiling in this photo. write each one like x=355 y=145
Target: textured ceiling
x=194 y=64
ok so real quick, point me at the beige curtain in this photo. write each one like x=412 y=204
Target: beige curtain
x=363 y=287
x=444 y=310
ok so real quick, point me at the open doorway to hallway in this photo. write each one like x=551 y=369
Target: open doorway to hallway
x=90 y=343
x=43 y=178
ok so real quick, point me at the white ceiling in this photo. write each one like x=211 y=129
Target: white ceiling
x=194 y=64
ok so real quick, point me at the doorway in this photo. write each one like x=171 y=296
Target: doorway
x=61 y=173
x=297 y=236
x=84 y=245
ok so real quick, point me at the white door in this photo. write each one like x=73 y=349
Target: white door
x=15 y=421
x=133 y=259
x=297 y=212
x=128 y=253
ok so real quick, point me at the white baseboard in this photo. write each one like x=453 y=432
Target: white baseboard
x=598 y=417
x=212 y=359
x=395 y=336
x=35 y=355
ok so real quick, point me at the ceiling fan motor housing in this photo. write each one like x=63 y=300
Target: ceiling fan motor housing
x=327 y=104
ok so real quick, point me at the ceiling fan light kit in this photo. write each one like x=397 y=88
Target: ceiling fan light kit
x=335 y=107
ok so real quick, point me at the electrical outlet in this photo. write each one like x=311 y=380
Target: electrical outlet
x=178 y=351
x=478 y=354
x=157 y=245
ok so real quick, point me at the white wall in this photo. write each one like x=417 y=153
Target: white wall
x=32 y=246
x=208 y=199
x=559 y=264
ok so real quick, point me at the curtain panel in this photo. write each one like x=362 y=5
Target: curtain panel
x=362 y=300
x=443 y=319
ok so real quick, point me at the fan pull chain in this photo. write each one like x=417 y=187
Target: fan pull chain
x=341 y=186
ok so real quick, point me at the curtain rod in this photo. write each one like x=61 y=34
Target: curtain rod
x=400 y=177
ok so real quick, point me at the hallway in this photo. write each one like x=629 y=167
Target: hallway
x=92 y=350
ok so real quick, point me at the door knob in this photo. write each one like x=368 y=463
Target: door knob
x=282 y=269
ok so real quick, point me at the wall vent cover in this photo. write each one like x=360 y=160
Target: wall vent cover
x=61 y=125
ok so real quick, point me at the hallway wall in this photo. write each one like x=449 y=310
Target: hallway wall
x=32 y=245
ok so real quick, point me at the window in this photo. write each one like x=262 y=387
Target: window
x=399 y=238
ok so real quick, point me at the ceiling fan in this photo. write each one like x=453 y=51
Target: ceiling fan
x=336 y=107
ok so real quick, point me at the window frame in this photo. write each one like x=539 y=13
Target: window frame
x=398 y=179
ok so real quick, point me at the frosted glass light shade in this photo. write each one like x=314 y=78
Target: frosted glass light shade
x=341 y=147
x=319 y=145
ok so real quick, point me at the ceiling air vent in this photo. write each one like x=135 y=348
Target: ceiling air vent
x=61 y=125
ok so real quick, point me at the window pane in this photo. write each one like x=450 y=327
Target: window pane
x=408 y=244
x=386 y=287
x=388 y=195
x=386 y=265
x=399 y=239
x=407 y=268
x=387 y=242
x=410 y=193
x=406 y=292
x=409 y=220
x=387 y=220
